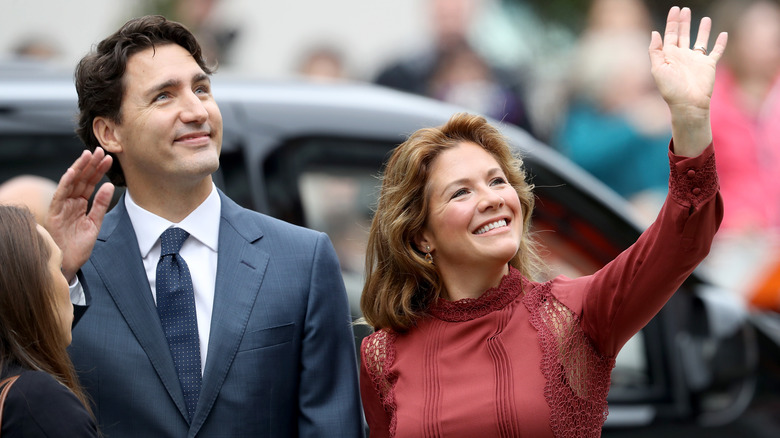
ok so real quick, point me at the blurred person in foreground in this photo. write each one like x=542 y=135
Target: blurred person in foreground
x=616 y=123
x=32 y=191
x=36 y=316
x=746 y=121
x=205 y=318
x=467 y=343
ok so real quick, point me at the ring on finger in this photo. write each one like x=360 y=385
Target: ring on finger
x=701 y=49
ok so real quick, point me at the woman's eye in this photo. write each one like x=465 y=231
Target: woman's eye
x=498 y=181
x=460 y=192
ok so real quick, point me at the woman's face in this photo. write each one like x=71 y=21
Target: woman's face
x=63 y=307
x=475 y=218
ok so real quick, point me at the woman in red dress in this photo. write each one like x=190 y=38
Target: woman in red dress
x=467 y=343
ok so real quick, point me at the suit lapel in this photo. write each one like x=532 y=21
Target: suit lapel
x=118 y=262
x=240 y=271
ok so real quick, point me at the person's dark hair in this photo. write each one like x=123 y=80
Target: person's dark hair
x=99 y=75
x=400 y=285
x=30 y=331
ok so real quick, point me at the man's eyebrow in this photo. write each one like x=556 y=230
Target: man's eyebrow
x=200 y=77
x=171 y=83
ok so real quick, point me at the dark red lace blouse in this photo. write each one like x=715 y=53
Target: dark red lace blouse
x=531 y=359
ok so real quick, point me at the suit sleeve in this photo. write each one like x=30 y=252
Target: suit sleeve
x=79 y=309
x=622 y=297
x=329 y=395
x=39 y=406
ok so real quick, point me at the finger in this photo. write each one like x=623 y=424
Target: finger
x=101 y=203
x=685 y=29
x=720 y=46
x=656 y=48
x=99 y=171
x=703 y=37
x=67 y=181
x=82 y=161
x=91 y=173
x=671 y=33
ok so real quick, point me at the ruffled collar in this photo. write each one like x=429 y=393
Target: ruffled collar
x=493 y=299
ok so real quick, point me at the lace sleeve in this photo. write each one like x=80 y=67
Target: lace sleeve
x=377 y=383
x=576 y=376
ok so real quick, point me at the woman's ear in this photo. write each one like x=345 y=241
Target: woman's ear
x=106 y=133
x=423 y=242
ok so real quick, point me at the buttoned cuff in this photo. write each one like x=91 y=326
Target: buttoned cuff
x=693 y=180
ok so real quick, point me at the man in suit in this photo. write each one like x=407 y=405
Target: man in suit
x=260 y=343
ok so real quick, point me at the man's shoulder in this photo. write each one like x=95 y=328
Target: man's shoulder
x=242 y=218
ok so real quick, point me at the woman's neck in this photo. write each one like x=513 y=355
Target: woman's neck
x=472 y=282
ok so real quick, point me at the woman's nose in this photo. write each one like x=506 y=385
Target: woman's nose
x=491 y=199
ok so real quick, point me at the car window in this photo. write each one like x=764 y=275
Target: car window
x=47 y=155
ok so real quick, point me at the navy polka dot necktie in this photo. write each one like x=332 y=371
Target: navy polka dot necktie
x=176 y=307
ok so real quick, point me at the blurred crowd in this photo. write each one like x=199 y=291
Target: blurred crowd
x=586 y=91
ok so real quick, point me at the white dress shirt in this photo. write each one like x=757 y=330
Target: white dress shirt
x=199 y=251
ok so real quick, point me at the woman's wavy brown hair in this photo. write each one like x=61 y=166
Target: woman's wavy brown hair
x=30 y=331
x=400 y=285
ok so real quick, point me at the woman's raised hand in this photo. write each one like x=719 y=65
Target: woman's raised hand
x=685 y=77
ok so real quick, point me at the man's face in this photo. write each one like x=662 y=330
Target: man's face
x=171 y=127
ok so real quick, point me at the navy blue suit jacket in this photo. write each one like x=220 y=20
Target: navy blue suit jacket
x=281 y=358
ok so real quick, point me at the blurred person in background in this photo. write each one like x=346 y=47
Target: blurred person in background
x=322 y=64
x=36 y=48
x=32 y=191
x=451 y=69
x=616 y=122
x=463 y=77
x=746 y=129
x=36 y=316
x=216 y=37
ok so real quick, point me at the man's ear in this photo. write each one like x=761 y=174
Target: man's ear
x=106 y=133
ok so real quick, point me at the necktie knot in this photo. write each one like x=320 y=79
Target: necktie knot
x=171 y=241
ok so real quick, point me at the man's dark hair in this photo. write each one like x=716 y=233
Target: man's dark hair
x=99 y=75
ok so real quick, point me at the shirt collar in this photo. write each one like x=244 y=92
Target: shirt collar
x=202 y=223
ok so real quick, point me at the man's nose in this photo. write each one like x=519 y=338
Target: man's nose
x=193 y=110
